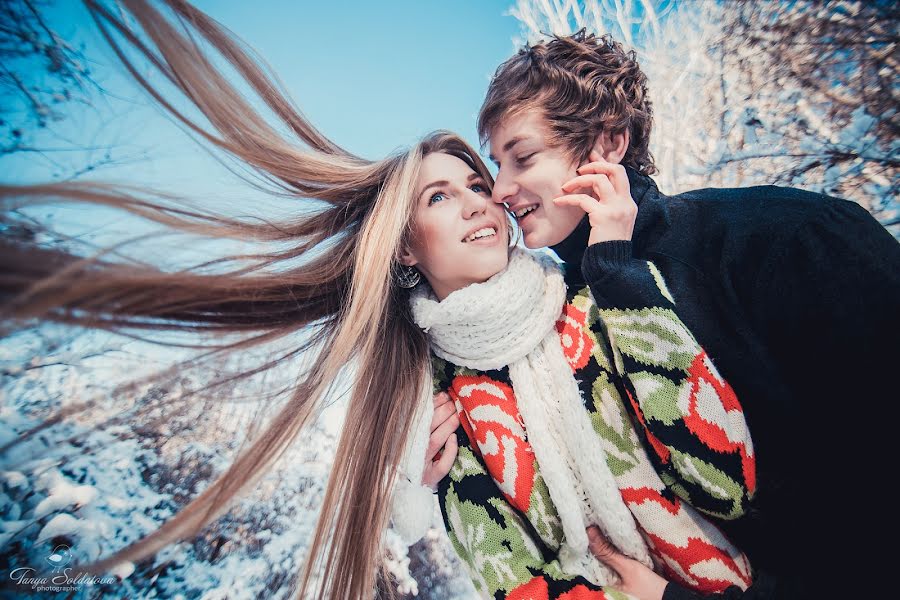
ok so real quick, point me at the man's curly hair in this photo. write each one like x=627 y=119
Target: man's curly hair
x=585 y=85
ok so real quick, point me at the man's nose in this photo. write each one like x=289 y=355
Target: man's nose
x=504 y=188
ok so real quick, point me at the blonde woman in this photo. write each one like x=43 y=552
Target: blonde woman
x=388 y=250
x=346 y=288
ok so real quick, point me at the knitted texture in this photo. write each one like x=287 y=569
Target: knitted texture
x=412 y=504
x=690 y=417
x=498 y=505
x=472 y=328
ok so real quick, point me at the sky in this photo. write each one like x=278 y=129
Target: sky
x=372 y=76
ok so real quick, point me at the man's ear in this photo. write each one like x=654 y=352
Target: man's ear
x=612 y=147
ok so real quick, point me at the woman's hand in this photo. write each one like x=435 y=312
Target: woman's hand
x=602 y=190
x=443 y=425
x=637 y=579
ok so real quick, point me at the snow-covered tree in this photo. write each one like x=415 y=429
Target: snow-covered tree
x=802 y=94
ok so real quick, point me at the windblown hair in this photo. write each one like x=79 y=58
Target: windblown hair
x=583 y=85
x=343 y=290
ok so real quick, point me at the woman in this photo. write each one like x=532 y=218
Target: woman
x=530 y=471
x=344 y=288
x=364 y=242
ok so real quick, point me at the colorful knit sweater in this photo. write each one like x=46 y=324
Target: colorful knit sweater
x=794 y=295
x=689 y=430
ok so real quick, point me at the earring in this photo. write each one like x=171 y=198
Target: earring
x=408 y=277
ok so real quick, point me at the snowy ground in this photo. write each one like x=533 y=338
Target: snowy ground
x=71 y=493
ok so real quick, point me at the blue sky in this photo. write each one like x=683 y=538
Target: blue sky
x=373 y=76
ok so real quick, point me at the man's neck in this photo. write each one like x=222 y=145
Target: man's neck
x=572 y=248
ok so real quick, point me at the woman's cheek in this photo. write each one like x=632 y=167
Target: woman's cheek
x=436 y=246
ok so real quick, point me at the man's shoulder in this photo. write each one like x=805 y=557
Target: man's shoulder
x=740 y=227
x=764 y=202
x=768 y=210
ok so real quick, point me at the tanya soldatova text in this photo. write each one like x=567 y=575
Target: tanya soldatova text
x=22 y=576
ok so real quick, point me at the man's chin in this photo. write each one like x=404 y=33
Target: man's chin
x=533 y=239
x=539 y=238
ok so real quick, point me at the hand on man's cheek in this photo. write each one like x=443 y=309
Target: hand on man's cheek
x=602 y=190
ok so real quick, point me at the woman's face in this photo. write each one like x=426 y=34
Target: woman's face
x=460 y=236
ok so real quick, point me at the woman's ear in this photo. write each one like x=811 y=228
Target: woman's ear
x=407 y=258
x=612 y=147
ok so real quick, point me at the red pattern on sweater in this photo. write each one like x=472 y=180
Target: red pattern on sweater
x=494 y=424
x=576 y=343
x=695 y=552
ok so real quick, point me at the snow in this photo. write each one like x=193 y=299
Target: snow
x=724 y=114
x=96 y=490
x=64 y=524
x=64 y=494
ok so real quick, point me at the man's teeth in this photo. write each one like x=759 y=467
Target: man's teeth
x=524 y=211
x=483 y=232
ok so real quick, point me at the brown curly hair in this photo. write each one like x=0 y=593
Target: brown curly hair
x=585 y=85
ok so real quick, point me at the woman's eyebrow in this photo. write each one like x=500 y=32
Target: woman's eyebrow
x=433 y=184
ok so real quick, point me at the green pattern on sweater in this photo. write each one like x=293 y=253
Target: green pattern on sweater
x=510 y=544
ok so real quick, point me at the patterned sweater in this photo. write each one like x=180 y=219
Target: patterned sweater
x=495 y=504
x=794 y=295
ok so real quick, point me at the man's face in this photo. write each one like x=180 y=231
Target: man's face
x=531 y=173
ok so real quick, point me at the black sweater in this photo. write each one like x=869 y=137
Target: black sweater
x=796 y=298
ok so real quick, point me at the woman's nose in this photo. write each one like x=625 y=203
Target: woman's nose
x=474 y=204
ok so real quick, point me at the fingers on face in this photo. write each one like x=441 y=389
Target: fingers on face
x=599 y=184
x=615 y=172
x=588 y=203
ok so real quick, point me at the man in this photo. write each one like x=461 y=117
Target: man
x=795 y=297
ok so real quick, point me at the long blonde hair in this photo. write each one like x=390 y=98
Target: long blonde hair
x=344 y=289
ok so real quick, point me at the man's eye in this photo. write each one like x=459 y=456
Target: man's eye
x=436 y=198
x=522 y=159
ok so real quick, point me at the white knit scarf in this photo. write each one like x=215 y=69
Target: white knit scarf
x=510 y=320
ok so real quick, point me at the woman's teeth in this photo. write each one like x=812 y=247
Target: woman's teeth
x=524 y=211
x=484 y=232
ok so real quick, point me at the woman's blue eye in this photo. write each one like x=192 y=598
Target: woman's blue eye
x=436 y=198
x=477 y=188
